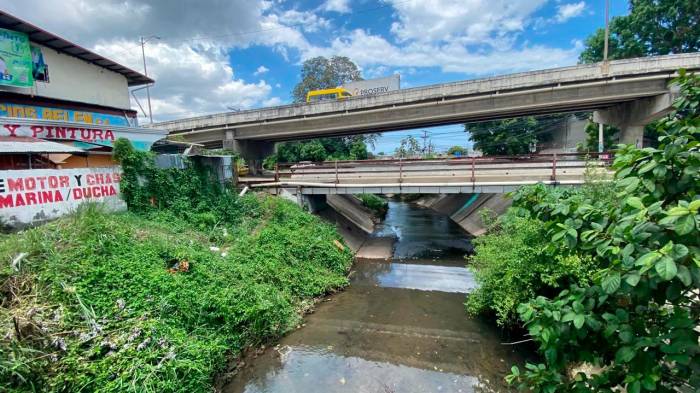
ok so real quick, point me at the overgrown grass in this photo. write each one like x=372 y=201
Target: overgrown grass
x=378 y=205
x=104 y=302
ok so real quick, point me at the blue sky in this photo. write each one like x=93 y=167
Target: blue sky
x=215 y=55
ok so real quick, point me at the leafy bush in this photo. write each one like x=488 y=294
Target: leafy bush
x=139 y=302
x=511 y=265
x=637 y=323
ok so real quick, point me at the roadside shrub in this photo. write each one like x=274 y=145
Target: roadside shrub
x=637 y=323
x=511 y=265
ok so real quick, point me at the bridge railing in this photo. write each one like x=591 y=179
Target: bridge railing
x=552 y=167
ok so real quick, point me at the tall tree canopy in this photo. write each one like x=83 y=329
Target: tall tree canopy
x=323 y=73
x=653 y=27
x=511 y=136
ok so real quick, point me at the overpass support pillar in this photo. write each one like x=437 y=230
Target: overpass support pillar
x=254 y=152
x=631 y=117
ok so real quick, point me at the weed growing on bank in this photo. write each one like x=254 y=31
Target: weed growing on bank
x=378 y=205
x=156 y=299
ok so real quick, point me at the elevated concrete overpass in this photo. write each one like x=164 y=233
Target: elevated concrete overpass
x=626 y=93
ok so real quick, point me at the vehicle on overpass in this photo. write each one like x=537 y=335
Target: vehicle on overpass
x=337 y=93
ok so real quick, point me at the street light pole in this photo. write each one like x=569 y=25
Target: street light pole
x=145 y=72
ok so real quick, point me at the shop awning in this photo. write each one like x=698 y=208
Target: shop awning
x=26 y=145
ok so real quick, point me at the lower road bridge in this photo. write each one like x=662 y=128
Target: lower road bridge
x=456 y=187
x=434 y=176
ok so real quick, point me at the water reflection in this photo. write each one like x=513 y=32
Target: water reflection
x=399 y=327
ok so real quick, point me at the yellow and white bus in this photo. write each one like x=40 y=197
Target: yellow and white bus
x=327 y=95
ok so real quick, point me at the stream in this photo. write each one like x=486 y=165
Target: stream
x=400 y=326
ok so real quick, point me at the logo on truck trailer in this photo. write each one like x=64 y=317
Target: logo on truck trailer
x=373 y=86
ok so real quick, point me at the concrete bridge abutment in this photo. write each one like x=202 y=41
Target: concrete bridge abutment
x=631 y=117
x=252 y=151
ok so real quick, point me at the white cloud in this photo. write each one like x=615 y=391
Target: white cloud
x=371 y=51
x=568 y=11
x=341 y=6
x=191 y=80
x=261 y=70
x=465 y=21
x=189 y=63
x=307 y=20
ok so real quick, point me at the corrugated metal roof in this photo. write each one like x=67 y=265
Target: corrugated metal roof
x=11 y=144
x=45 y=38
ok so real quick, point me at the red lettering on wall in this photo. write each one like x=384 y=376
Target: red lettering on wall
x=61 y=133
x=29 y=183
x=6 y=201
x=31 y=198
x=15 y=185
x=36 y=130
x=109 y=135
x=11 y=128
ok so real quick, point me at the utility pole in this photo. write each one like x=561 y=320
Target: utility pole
x=425 y=141
x=605 y=67
x=145 y=72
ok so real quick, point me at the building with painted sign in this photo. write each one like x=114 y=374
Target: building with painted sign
x=54 y=90
x=62 y=107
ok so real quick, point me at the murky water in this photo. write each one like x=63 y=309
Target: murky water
x=399 y=327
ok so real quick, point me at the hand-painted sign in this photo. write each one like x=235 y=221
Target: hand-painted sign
x=49 y=113
x=31 y=196
x=141 y=138
x=15 y=59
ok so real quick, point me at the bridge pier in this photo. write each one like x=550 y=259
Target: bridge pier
x=631 y=117
x=254 y=152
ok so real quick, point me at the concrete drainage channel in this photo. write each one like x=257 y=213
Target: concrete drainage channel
x=399 y=327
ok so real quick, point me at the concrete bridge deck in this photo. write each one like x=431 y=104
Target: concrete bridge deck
x=566 y=89
x=439 y=176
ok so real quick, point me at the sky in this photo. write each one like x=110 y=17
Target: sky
x=210 y=56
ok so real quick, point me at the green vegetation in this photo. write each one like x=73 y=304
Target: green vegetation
x=518 y=135
x=457 y=151
x=157 y=299
x=322 y=149
x=323 y=73
x=408 y=147
x=653 y=27
x=610 y=137
x=515 y=261
x=378 y=205
x=633 y=316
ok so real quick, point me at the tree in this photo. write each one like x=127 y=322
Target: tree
x=506 y=137
x=322 y=73
x=409 y=147
x=610 y=137
x=457 y=151
x=653 y=27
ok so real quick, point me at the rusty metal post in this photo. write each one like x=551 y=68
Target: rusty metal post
x=473 y=170
x=277 y=178
x=336 y=172
x=554 y=167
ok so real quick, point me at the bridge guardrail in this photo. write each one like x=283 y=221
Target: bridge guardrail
x=462 y=167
